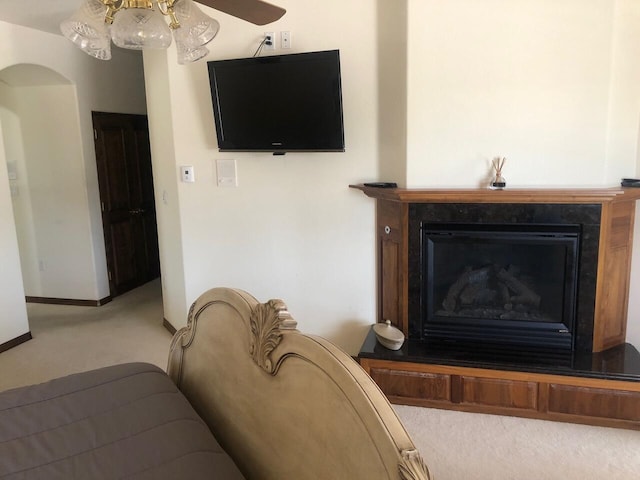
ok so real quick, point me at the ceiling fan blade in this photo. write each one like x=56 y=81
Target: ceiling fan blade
x=254 y=11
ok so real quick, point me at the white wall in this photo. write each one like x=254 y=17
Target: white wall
x=521 y=79
x=13 y=320
x=163 y=153
x=51 y=194
x=623 y=122
x=20 y=196
x=551 y=85
x=292 y=229
x=392 y=18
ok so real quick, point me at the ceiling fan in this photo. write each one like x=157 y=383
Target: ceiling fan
x=254 y=11
x=139 y=24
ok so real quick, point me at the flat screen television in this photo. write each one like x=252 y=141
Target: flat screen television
x=281 y=103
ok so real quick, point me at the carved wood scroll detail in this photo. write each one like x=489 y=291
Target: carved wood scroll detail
x=412 y=466
x=267 y=322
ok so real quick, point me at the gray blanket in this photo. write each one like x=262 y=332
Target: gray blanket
x=127 y=421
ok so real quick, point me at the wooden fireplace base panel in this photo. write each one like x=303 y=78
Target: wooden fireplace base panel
x=591 y=401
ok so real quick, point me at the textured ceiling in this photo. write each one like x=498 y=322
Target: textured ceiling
x=43 y=15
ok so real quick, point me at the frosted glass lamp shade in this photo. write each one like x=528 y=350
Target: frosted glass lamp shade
x=86 y=28
x=138 y=28
x=196 y=29
x=188 y=55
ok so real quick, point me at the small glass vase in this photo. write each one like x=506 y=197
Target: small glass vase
x=498 y=183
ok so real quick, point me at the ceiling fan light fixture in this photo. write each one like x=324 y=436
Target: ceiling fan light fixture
x=189 y=55
x=139 y=24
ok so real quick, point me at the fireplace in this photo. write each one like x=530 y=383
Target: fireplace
x=503 y=275
x=499 y=284
x=514 y=302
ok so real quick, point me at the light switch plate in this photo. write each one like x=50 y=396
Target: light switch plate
x=226 y=173
x=187 y=174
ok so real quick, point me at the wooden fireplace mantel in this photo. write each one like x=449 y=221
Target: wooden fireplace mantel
x=561 y=397
x=514 y=195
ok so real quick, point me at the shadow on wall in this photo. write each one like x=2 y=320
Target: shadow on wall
x=349 y=336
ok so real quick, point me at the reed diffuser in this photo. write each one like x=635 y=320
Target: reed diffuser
x=498 y=182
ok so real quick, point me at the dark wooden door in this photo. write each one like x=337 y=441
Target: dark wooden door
x=125 y=179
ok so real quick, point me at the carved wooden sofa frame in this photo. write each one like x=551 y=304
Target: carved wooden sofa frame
x=283 y=404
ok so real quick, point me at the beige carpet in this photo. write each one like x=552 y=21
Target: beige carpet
x=456 y=445
x=69 y=339
x=471 y=446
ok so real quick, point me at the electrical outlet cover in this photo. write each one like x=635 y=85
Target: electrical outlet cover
x=272 y=35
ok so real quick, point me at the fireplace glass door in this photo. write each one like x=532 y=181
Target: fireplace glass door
x=503 y=284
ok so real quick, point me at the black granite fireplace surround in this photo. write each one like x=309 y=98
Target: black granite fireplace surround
x=509 y=275
x=510 y=284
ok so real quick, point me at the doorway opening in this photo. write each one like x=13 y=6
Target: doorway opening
x=125 y=180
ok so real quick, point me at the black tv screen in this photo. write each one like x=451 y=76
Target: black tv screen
x=279 y=103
